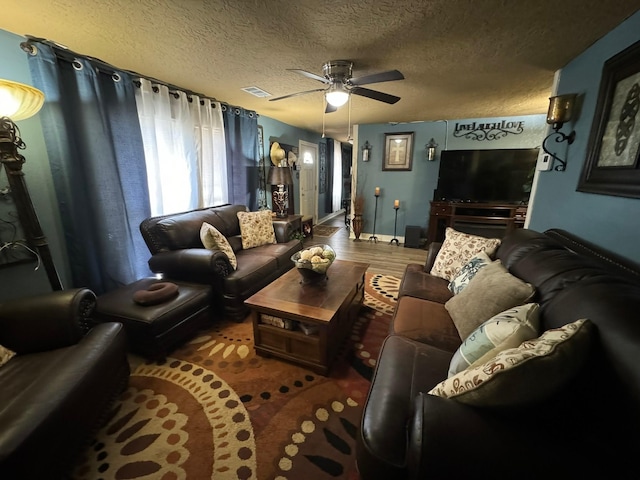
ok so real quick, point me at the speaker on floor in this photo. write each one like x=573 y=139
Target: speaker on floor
x=412 y=236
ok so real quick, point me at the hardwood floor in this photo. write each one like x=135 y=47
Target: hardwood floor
x=381 y=257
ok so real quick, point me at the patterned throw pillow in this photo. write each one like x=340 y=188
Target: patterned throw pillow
x=518 y=376
x=467 y=272
x=456 y=251
x=256 y=228
x=504 y=330
x=212 y=239
x=491 y=291
x=5 y=355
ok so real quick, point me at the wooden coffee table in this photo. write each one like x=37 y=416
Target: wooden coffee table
x=305 y=324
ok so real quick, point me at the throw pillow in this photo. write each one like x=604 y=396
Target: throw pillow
x=505 y=330
x=457 y=249
x=212 y=239
x=518 y=376
x=468 y=271
x=491 y=291
x=5 y=355
x=256 y=228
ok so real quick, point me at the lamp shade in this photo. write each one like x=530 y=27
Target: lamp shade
x=337 y=95
x=19 y=101
x=280 y=176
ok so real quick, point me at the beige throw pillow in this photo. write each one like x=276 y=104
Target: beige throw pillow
x=212 y=239
x=5 y=355
x=256 y=228
x=533 y=371
x=456 y=251
x=491 y=291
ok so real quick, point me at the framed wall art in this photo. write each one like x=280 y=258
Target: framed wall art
x=398 y=151
x=612 y=166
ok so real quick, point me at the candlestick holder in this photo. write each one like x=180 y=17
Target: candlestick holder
x=373 y=237
x=395 y=226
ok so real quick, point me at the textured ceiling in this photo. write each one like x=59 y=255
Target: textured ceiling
x=460 y=58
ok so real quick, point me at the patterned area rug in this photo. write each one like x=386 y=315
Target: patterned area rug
x=324 y=230
x=216 y=410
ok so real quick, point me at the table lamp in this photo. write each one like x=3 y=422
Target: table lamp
x=281 y=178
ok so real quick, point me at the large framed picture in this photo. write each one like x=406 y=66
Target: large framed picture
x=398 y=151
x=612 y=166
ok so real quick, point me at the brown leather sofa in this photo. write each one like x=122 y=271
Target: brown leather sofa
x=587 y=430
x=56 y=391
x=177 y=252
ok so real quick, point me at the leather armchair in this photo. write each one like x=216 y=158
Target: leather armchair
x=58 y=387
x=46 y=322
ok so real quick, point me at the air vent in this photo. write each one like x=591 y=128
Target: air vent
x=258 y=92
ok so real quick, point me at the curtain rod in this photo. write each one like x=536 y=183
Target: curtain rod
x=64 y=53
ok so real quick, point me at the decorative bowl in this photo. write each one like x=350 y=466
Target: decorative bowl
x=313 y=262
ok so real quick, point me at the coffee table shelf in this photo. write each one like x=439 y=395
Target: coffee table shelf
x=327 y=310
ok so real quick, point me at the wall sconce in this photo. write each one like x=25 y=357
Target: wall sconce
x=19 y=102
x=560 y=112
x=431 y=150
x=281 y=178
x=366 y=151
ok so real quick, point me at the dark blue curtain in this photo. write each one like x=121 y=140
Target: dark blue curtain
x=241 y=137
x=328 y=178
x=93 y=139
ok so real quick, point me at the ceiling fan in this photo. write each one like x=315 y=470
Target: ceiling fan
x=340 y=84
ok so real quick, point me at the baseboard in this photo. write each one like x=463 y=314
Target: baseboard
x=364 y=237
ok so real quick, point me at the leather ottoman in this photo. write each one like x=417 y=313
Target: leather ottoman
x=154 y=328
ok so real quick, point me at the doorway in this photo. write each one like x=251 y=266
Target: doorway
x=308 y=162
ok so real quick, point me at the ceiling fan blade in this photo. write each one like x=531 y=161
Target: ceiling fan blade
x=330 y=108
x=297 y=94
x=377 y=78
x=309 y=75
x=374 y=94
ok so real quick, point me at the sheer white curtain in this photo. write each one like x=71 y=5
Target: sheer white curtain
x=212 y=153
x=184 y=149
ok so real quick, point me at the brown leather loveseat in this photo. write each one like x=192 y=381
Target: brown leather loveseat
x=178 y=253
x=588 y=427
x=57 y=389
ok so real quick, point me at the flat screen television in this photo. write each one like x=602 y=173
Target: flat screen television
x=486 y=176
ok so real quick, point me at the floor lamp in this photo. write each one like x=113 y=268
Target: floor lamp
x=18 y=102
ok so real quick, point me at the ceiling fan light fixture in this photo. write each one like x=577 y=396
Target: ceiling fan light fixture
x=337 y=95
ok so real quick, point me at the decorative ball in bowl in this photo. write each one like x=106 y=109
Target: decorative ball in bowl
x=313 y=262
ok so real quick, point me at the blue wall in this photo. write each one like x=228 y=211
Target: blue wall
x=612 y=222
x=415 y=188
x=276 y=131
x=23 y=280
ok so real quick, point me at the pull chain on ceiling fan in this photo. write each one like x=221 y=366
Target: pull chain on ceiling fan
x=340 y=84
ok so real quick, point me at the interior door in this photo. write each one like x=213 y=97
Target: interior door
x=308 y=163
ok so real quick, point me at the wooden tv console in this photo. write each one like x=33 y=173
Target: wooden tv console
x=473 y=216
